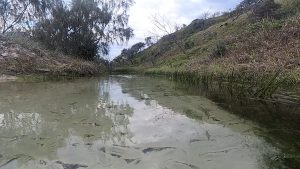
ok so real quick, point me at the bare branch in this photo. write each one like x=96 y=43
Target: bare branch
x=17 y=19
x=161 y=24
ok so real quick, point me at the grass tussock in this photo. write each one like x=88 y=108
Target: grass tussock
x=245 y=84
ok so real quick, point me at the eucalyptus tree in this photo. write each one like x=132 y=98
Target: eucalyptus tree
x=22 y=14
x=86 y=28
x=130 y=53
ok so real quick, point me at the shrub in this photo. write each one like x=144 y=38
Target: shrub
x=291 y=6
x=265 y=24
x=245 y=4
x=266 y=9
x=220 y=49
x=189 y=45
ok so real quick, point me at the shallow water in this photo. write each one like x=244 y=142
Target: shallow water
x=125 y=122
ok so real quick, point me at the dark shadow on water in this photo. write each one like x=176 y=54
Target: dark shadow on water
x=280 y=115
x=119 y=117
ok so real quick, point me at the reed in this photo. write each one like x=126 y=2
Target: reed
x=248 y=84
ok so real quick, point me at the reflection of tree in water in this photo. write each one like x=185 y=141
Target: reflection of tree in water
x=28 y=135
x=279 y=116
x=37 y=118
x=46 y=120
x=118 y=113
x=26 y=122
x=168 y=94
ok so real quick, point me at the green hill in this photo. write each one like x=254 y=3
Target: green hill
x=258 y=37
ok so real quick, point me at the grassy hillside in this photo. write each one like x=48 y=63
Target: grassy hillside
x=20 y=55
x=261 y=39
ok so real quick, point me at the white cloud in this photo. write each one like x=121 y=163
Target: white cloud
x=177 y=11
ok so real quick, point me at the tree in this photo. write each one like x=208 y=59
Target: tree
x=130 y=53
x=149 y=41
x=22 y=14
x=246 y=4
x=136 y=48
x=205 y=16
x=259 y=8
x=266 y=9
x=163 y=25
x=86 y=28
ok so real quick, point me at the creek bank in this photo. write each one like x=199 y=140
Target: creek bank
x=246 y=84
x=23 y=56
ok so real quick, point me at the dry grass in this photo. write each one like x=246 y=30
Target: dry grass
x=22 y=56
x=266 y=50
x=267 y=46
x=256 y=46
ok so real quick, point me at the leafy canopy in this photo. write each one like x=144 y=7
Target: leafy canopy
x=84 y=28
x=87 y=27
x=21 y=14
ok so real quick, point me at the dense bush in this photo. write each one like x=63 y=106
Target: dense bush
x=130 y=54
x=267 y=9
x=189 y=45
x=265 y=24
x=220 y=49
x=291 y=6
x=247 y=4
x=198 y=25
x=259 y=9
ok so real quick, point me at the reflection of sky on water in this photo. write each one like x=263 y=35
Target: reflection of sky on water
x=152 y=123
x=1 y=120
x=26 y=122
x=101 y=123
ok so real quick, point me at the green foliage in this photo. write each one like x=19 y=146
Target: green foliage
x=204 y=51
x=86 y=28
x=246 y=4
x=20 y=14
x=130 y=53
x=189 y=45
x=291 y=7
x=198 y=25
x=220 y=49
x=265 y=24
x=259 y=9
x=248 y=84
x=149 y=41
x=266 y=9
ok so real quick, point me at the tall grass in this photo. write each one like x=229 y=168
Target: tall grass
x=243 y=83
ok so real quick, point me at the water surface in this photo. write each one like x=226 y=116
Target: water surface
x=125 y=122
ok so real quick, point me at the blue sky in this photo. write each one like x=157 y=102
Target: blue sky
x=176 y=11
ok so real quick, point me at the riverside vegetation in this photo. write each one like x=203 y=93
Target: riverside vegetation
x=134 y=122
x=56 y=37
x=232 y=101
x=21 y=56
x=255 y=47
